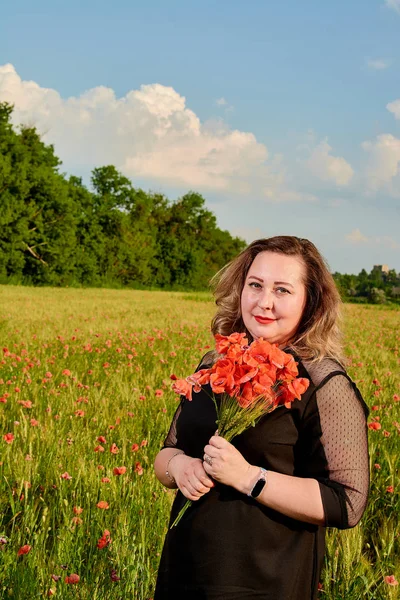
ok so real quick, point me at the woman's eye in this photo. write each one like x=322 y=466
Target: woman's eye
x=282 y=290
x=254 y=284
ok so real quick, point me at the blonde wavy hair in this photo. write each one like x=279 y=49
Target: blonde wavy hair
x=318 y=335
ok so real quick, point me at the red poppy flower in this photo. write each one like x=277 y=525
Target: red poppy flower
x=119 y=470
x=114 y=449
x=223 y=342
x=103 y=505
x=72 y=579
x=24 y=550
x=183 y=388
x=105 y=540
x=375 y=425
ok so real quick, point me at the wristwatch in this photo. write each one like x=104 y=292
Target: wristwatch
x=259 y=484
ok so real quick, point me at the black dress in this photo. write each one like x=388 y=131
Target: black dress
x=229 y=546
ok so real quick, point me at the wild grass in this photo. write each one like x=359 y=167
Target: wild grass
x=85 y=389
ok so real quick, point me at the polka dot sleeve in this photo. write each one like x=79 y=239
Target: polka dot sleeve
x=340 y=448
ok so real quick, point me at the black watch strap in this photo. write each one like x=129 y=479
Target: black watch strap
x=260 y=484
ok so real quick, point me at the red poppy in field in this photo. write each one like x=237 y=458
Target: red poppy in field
x=105 y=540
x=135 y=447
x=79 y=413
x=25 y=403
x=391 y=580
x=99 y=448
x=159 y=393
x=73 y=578
x=102 y=439
x=103 y=505
x=105 y=480
x=138 y=468
x=390 y=489
x=66 y=475
x=114 y=449
x=77 y=510
x=34 y=422
x=119 y=470
x=8 y=438
x=66 y=372
x=375 y=426
x=24 y=550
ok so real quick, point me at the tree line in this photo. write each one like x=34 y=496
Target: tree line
x=376 y=287
x=56 y=231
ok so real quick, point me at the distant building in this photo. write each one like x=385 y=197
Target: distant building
x=381 y=270
x=396 y=291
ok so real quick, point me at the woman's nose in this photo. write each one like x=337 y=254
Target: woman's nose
x=266 y=300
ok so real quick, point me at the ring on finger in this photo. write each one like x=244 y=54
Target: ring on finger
x=208 y=459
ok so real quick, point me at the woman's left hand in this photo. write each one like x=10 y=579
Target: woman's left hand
x=228 y=465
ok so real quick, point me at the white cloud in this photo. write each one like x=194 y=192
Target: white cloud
x=221 y=102
x=326 y=167
x=394 y=107
x=149 y=133
x=394 y=4
x=383 y=169
x=388 y=242
x=378 y=64
x=356 y=237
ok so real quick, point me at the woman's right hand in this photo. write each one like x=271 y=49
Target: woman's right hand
x=190 y=476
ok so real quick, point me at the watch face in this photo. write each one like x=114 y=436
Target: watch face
x=257 y=489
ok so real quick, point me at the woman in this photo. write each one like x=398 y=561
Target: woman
x=257 y=528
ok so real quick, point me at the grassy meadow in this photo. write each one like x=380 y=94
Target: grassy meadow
x=85 y=403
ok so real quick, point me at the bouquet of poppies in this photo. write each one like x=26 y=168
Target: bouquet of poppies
x=252 y=380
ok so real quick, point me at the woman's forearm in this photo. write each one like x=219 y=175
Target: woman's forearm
x=295 y=497
x=160 y=465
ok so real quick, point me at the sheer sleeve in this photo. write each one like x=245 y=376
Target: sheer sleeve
x=171 y=441
x=339 y=451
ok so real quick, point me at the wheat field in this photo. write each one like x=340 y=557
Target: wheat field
x=85 y=402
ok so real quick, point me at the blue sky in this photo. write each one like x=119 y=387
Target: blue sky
x=285 y=116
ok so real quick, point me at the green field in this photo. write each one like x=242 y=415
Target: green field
x=85 y=389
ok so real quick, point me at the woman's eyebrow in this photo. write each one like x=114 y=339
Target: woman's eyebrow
x=275 y=282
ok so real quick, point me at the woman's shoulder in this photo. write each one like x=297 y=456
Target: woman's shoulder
x=321 y=371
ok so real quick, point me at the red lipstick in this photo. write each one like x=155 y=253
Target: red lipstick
x=263 y=320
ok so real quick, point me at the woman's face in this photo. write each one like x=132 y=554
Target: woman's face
x=273 y=297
